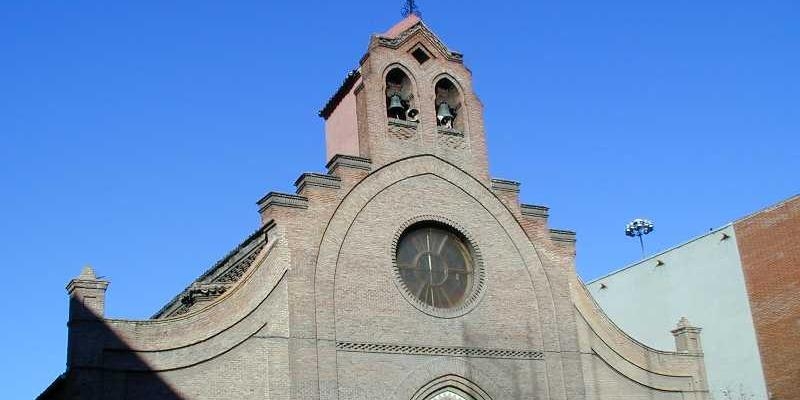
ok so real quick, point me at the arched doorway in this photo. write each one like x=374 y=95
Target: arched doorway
x=451 y=387
x=450 y=394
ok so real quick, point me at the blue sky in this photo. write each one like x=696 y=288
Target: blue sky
x=136 y=136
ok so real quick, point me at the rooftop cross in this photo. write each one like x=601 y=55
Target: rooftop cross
x=410 y=7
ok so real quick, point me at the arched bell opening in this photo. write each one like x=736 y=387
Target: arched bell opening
x=449 y=105
x=400 y=101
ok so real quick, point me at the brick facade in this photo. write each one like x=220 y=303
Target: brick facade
x=770 y=254
x=315 y=311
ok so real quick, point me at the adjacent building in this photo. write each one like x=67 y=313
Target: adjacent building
x=402 y=272
x=741 y=283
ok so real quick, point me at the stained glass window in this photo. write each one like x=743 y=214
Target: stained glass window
x=436 y=265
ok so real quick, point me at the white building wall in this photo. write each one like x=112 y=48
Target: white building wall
x=703 y=281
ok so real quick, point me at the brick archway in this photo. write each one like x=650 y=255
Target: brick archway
x=450 y=394
x=451 y=387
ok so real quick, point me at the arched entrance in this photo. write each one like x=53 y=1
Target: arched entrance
x=451 y=387
x=450 y=394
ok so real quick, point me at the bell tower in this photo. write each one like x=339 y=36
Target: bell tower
x=410 y=95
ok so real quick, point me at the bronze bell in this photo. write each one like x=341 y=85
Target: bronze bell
x=443 y=114
x=396 y=108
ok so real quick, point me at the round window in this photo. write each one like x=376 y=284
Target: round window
x=436 y=266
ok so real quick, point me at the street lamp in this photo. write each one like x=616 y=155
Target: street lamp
x=639 y=227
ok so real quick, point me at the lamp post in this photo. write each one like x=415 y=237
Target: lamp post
x=639 y=227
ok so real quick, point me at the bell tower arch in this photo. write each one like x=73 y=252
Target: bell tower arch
x=449 y=104
x=410 y=95
x=401 y=97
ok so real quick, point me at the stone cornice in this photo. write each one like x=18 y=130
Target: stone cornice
x=86 y=280
x=282 y=200
x=532 y=210
x=504 y=184
x=685 y=327
x=86 y=284
x=347 y=161
x=559 y=235
x=319 y=180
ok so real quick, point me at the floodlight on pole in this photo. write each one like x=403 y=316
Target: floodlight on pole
x=639 y=227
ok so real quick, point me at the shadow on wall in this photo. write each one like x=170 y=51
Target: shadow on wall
x=521 y=383
x=91 y=342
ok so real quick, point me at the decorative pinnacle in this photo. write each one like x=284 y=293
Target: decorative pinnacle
x=684 y=326
x=87 y=273
x=410 y=7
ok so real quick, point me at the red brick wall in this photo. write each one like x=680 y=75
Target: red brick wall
x=769 y=246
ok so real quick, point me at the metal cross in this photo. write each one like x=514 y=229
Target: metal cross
x=411 y=8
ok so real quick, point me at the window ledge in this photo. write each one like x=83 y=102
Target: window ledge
x=449 y=131
x=403 y=123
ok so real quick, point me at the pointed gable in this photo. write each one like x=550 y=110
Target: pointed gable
x=402 y=26
x=410 y=27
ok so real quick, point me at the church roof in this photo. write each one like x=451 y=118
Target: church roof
x=223 y=273
x=344 y=88
x=402 y=26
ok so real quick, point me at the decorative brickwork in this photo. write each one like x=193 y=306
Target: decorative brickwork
x=236 y=272
x=440 y=351
x=402 y=130
x=452 y=139
x=396 y=41
x=770 y=252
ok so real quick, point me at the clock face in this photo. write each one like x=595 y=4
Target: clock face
x=436 y=265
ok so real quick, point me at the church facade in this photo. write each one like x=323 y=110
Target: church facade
x=404 y=272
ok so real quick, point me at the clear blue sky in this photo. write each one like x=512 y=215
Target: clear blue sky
x=136 y=136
